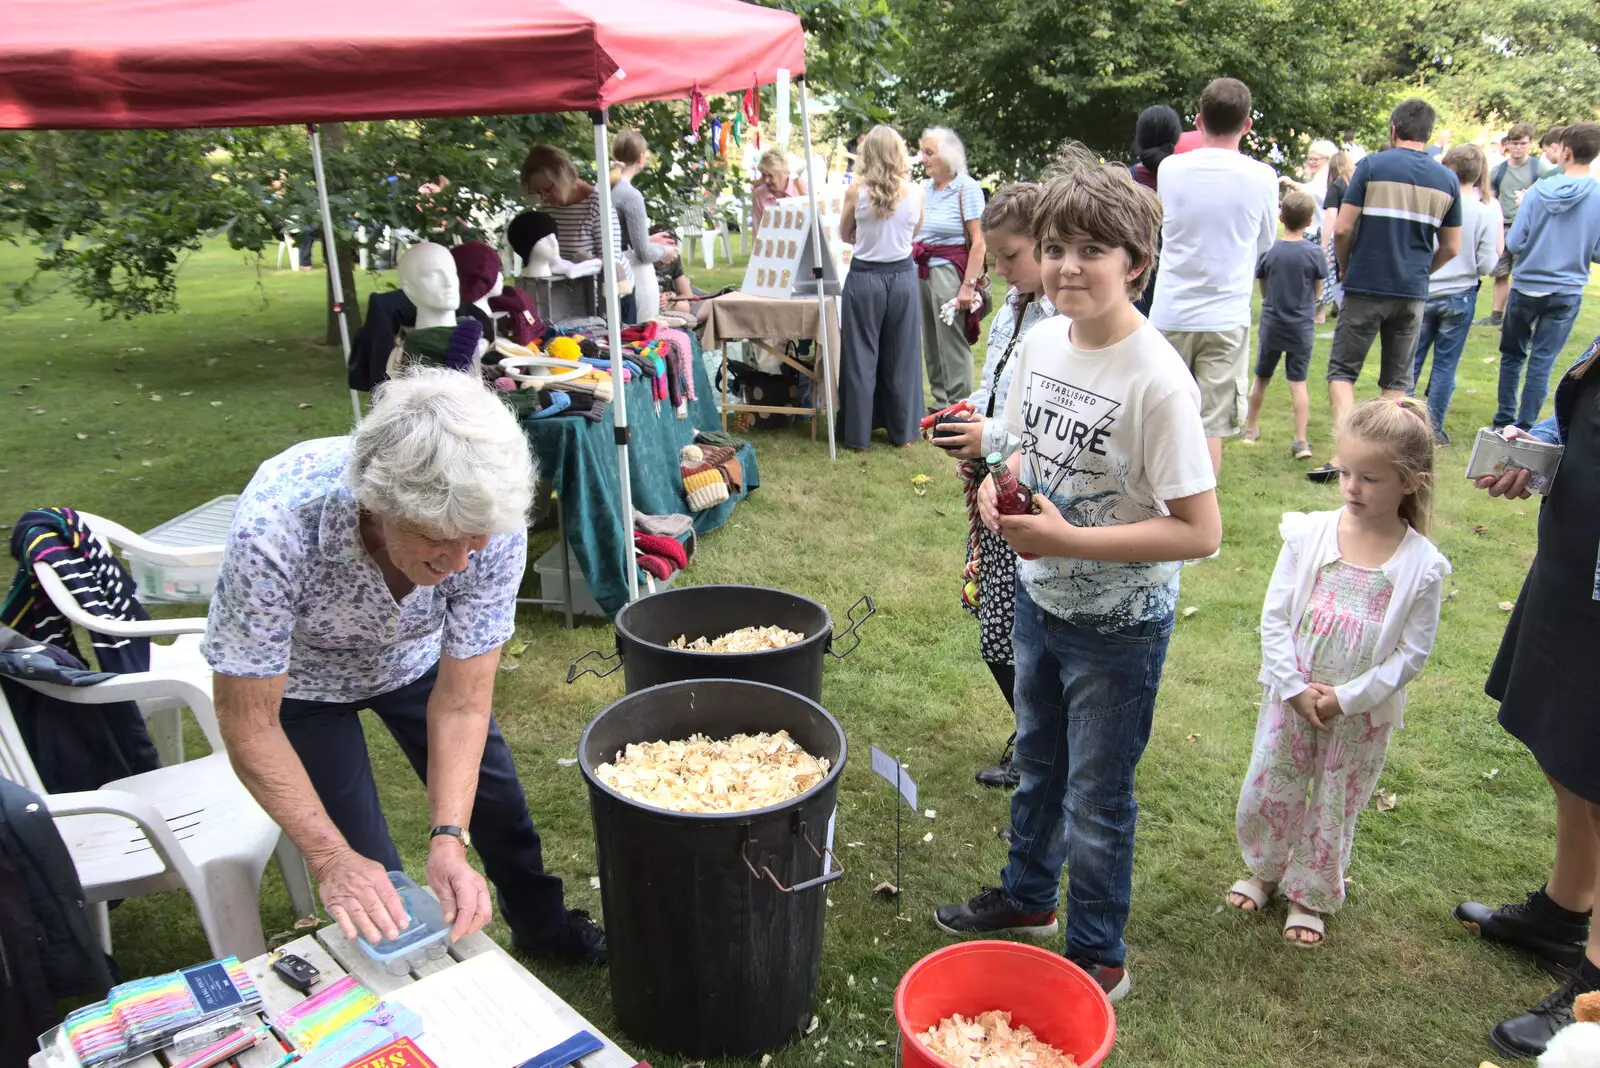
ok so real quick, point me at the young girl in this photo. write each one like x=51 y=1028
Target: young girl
x=1349 y=620
x=990 y=592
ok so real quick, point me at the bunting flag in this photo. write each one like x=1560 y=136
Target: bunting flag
x=752 y=108
x=698 y=109
x=738 y=129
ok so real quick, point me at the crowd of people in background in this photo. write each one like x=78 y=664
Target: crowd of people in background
x=1117 y=364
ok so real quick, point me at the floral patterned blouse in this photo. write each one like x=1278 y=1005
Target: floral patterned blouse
x=299 y=594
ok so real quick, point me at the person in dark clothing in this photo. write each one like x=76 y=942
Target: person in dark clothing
x=1155 y=137
x=1543 y=669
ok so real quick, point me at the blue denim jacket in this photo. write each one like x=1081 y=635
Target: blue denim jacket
x=1553 y=431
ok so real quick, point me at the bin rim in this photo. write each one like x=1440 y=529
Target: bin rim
x=723 y=818
x=619 y=623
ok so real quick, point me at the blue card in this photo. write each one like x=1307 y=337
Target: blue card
x=211 y=986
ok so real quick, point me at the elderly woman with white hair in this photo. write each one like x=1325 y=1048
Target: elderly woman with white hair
x=380 y=571
x=950 y=263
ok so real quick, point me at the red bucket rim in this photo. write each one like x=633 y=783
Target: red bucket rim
x=963 y=948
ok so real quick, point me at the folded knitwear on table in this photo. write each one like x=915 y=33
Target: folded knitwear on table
x=703 y=484
x=659 y=555
x=597 y=382
x=722 y=458
x=671 y=526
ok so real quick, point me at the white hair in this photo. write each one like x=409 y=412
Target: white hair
x=948 y=147
x=1322 y=148
x=440 y=452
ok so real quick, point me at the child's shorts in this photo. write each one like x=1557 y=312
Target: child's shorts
x=1296 y=362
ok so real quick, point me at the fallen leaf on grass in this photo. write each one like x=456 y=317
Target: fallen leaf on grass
x=1506 y=606
x=566 y=762
x=1488 y=359
x=920 y=484
x=766 y=1058
x=1480 y=529
x=1193 y=737
x=155 y=396
x=216 y=404
x=1238 y=571
x=928 y=837
x=303 y=404
x=108 y=470
x=931 y=814
x=813 y=1025
x=148 y=463
x=81 y=436
x=1492 y=774
x=187 y=393
x=306 y=923
x=1191 y=610
x=854 y=845
x=1519 y=512
x=1451 y=595
x=594 y=882
x=1386 y=800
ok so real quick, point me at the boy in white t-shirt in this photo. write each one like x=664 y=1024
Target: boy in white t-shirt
x=1113 y=447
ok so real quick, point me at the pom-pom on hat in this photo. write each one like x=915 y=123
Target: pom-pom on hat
x=478 y=268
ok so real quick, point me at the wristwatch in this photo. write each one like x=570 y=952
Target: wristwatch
x=459 y=832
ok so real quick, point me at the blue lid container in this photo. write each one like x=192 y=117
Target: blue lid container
x=417 y=943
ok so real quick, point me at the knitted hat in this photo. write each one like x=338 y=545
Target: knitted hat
x=478 y=268
x=527 y=230
x=663 y=546
x=563 y=348
x=703 y=484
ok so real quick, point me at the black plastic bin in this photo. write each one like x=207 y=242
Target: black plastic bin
x=713 y=922
x=644 y=627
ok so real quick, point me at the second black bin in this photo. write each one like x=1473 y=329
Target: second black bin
x=713 y=922
x=646 y=626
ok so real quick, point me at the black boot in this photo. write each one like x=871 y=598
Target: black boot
x=1528 y=1034
x=1005 y=774
x=1550 y=934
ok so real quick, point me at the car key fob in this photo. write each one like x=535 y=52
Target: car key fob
x=296 y=971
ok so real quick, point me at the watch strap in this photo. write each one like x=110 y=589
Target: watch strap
x=452 y=830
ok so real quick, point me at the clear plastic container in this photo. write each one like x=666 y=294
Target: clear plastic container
x=423 y=940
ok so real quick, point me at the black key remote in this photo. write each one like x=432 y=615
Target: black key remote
x=296 y=971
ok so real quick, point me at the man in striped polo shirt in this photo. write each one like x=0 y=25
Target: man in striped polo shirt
x=1399 y=221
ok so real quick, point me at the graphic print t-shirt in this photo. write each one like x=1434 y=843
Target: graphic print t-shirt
x=1109 y=435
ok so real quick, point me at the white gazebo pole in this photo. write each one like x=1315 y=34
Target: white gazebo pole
x=825 y=346
x=619 y=388
x=330 y=254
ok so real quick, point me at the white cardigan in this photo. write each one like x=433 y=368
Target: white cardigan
x=1416 y=571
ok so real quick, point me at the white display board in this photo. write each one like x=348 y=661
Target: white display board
x=781 y=256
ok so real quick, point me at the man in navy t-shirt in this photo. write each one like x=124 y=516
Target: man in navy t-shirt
x=1408 y=208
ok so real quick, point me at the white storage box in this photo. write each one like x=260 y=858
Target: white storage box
x=583 y=603
x=164 y=579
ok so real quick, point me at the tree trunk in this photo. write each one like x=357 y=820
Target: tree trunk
x=333 y=143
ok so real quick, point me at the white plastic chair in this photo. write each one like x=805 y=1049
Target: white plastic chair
x=192 y=826
x=179 y=660
x=287 y=247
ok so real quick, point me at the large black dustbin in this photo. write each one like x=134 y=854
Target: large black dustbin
x=713 y=922
x=646 y=626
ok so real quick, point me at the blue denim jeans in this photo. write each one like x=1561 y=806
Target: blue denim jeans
x=1084 y=701
x=1543 y=322
x=1446 y=321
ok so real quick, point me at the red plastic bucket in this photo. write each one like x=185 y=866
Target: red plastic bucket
x=1042 y=990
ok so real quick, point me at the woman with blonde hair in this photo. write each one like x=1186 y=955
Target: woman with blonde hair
x=775 y=184
x=950 y=263
x=880 y=375
x=551 y=179
x=644 y=250
x=1341 y=165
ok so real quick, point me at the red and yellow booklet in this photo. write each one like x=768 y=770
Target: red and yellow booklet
x=401 y=1053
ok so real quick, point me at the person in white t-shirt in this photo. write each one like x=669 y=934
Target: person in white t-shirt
x=1112 y=450
x=1220 y=215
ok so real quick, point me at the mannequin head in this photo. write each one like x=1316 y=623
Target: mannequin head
x=428 y=277
x=543 y=258
x=534 y=230
x=478 y=267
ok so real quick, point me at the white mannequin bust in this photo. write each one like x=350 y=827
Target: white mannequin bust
x=544 y=261
x=428 y=277
x=494 y=291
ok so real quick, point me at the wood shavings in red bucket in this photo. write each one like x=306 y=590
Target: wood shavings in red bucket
x=989 y=1041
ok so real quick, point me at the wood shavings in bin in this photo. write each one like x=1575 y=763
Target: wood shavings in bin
x=989 y=1041
x=699 y=775
x=743 y=640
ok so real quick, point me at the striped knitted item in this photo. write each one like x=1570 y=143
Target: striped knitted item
x=704 y=486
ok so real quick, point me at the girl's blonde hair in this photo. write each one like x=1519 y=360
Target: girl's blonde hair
x=1402 y=428
x=628 y=147
x=1341 y=165
x=555 y=164
x=881 y=168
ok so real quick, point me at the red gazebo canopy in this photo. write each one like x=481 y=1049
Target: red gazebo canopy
x=134 y=64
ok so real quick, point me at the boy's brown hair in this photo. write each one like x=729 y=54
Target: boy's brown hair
x=1012 y=208
x=1225 y=106
x=1583 y=141
x=1466 y=161
x=1554 y=134
x=1101 y=203
x=1520 y=131
x=1297 y=210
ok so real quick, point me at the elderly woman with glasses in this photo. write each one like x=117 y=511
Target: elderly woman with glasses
x=380 y=571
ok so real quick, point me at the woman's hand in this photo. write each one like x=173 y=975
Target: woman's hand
x=967 y=296
x=964 y=441
x=1512 y=485
x=1304 y=704
x=1327 y=702
x=988 y=513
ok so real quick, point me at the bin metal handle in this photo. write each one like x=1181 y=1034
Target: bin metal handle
x=854 y=629
x=765 y=872
x=573 y=674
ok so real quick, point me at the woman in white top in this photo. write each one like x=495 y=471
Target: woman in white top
x=880 y=375
x=549 y=176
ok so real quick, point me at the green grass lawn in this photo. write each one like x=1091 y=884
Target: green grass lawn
x=142 y=420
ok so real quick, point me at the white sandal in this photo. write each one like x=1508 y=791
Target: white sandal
x=1257 y=895
x=1303 y=919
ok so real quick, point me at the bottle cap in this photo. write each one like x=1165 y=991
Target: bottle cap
x=994 y=458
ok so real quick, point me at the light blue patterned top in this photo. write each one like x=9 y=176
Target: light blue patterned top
x=298 y=592
x=946 y=211
x=998 y=370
